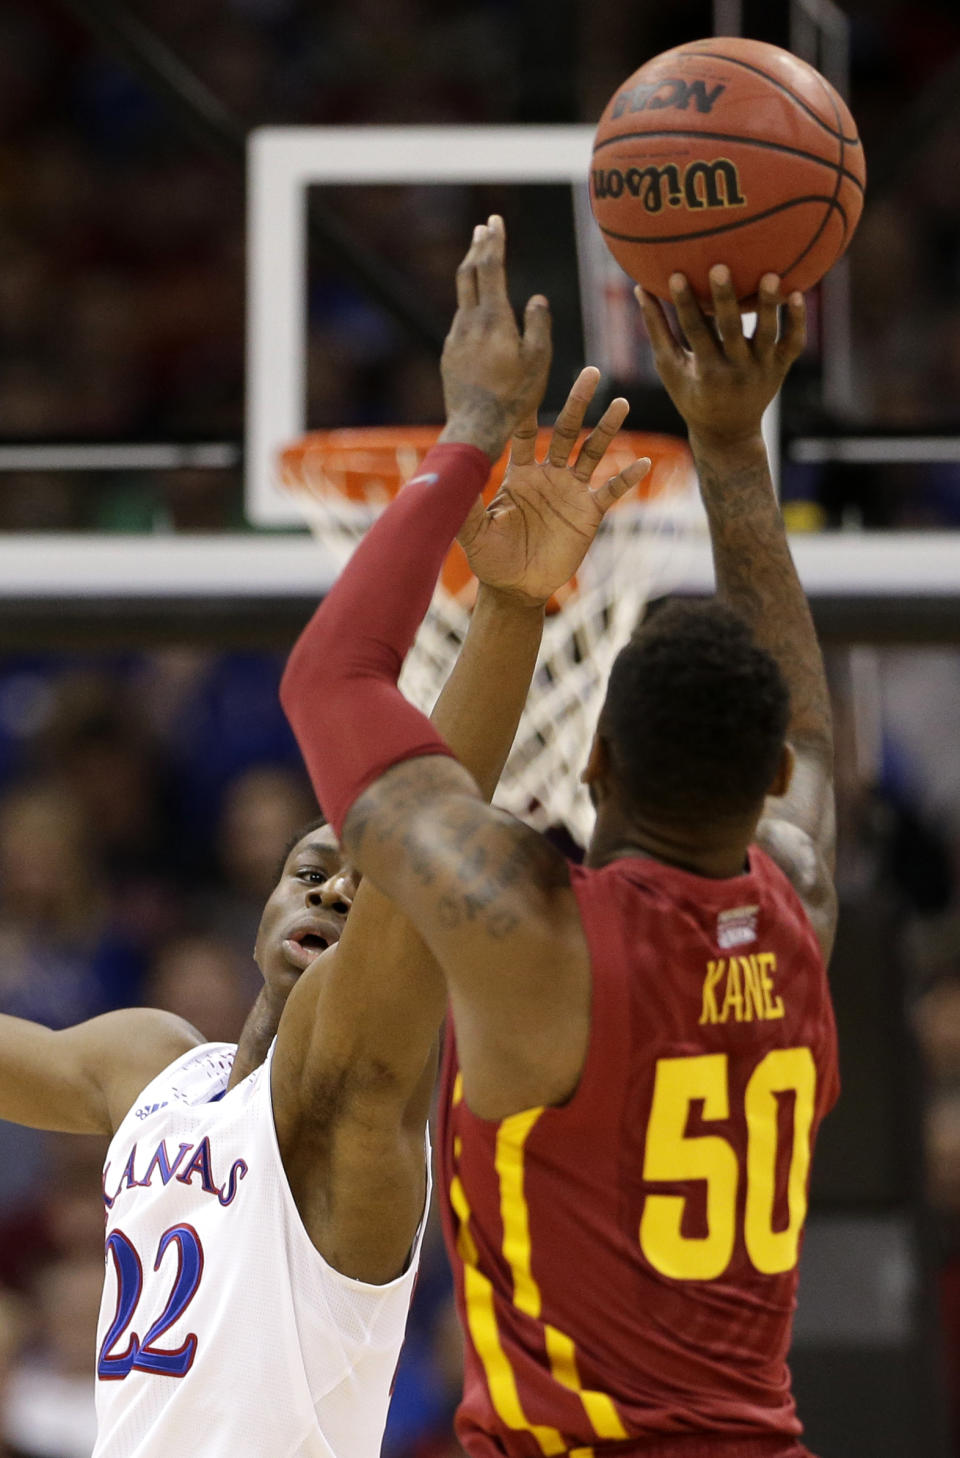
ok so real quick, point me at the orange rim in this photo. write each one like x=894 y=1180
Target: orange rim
x=371 y=463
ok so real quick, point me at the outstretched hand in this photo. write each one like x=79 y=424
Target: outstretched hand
x=493 y=376
x=535 y=533
x=724 y=382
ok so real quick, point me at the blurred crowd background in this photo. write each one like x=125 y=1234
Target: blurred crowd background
x=146 y=805
x=122 y=234
x=146 y=798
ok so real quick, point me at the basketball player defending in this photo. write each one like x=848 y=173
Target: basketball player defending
x=644 y=1046
x=265 y=1203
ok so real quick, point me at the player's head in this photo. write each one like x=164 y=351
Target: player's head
x=306 y=910
x=692 y=727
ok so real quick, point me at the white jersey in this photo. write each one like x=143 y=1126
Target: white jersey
x=223 y=1332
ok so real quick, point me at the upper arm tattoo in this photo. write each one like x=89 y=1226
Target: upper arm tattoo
x=422 y=821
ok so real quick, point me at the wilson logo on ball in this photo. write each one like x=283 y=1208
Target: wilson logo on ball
x=697 y=186
x=671 y=92
x=783 y=197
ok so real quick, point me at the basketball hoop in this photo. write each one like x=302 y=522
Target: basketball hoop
x=344 y=479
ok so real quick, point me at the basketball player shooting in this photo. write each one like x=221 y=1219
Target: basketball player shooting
x=644 y=1046
x=265 y=1202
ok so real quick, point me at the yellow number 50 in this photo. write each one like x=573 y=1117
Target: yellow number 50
x=672 y=1156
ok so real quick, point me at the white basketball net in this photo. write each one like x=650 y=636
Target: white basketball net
x=642 y=551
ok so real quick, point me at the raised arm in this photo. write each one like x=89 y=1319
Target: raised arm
x=721 y=385
x=372 y=1005
x=355 y=1061
x=357 y=1033
x=490 y=898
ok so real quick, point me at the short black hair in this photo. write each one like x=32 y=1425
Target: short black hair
x=317 y=823
x=695 y=714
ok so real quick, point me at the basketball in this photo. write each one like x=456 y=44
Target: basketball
x=727 y=151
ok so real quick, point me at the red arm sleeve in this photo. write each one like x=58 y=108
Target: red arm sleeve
x=339 y=690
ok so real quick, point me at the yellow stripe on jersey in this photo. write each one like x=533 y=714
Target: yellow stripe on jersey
x=482 y=1322
x=599 y=1408
x=511 y=1137
x=514 y=1213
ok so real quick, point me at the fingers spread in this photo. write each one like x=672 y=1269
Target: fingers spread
x=467 y=272
x=523 y=446
x=768 y=315
x=598 y=441
x=570 y=420
x=581 y=393
x=537 y=329
x=491 y=263
x=666 y=351
x=620 y=484
x=726 y=311
x=693 y=321
x=794 y=338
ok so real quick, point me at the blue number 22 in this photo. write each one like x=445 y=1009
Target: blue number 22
x=144 y=1356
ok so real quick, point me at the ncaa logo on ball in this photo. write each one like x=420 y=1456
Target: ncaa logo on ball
x=673 y=91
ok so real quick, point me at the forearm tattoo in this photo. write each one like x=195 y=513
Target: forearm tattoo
x=757 y=578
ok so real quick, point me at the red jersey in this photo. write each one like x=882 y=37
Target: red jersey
x=626 y=1265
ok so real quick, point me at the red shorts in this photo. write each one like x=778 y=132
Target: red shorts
x=700 y=1445
x=707 y=1446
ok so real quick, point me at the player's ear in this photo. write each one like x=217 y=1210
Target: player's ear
x=597 y=766
x=784 y=774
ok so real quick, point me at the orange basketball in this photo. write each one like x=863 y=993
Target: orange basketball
x=727 y=151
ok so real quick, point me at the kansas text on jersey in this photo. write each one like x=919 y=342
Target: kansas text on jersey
x=222 y=1330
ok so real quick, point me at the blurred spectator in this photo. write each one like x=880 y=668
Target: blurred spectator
x=936 y=1020
x=38 y=501
x=50 y=1395
x=98 y=741
x=51 y=1253
x=262 y=810
x=220 y=717
x=62 y=957
x=933 y=948
x=204 y=980
x=942 y=1148
x=13 y=1328
x=61 y=1215
x=121 y=238
x=202 y=501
